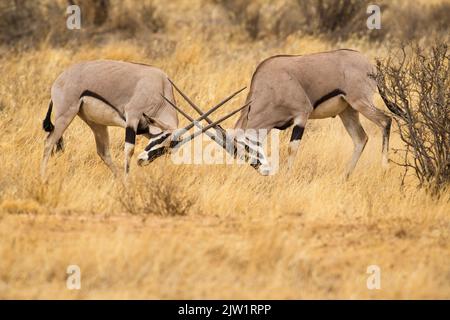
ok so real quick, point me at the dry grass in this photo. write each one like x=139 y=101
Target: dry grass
x=300 y=234
x=159 y=195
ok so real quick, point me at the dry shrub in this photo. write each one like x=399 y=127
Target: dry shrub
x=411 y=21
x=94 y=11
x=416 y=84
x=106 y=16
x=21 y=19
x=439 y=16
x=32 y=22
x=102 y=19
x=262 y=18
x=238 y=11
x=338 y=19
x=141 y=17
x=335 y=18
x=155 y=195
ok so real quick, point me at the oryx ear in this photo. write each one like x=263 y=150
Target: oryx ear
x=156 y=122
x=148 y=119
x=154 y=130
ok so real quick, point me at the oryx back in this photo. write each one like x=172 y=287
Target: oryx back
x=284 y=86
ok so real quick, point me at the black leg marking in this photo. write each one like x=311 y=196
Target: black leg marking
x=130 y=135
x=297 y=133
x=387 y=128
x=155 y=142
x=142 y=130
x=154 y=154
x=386 y=133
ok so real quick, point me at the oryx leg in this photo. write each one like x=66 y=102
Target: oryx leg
x=254 y=147
x=130 y=140
x=102 y=142
x=296 y=137
x=378 y=117
x=61 y=123
x=350 y=119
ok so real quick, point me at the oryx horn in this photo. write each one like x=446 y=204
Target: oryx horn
x=215 y=123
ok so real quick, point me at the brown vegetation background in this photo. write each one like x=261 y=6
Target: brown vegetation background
x=305 y=233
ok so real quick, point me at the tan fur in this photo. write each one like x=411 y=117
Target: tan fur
x=329 y=108
x=98 y=112
x=130 y=90
x=284 y=90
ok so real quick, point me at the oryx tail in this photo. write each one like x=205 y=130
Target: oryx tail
x=393 y=107
x=48 y=126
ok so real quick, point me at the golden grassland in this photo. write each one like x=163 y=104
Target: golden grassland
x=305 y=233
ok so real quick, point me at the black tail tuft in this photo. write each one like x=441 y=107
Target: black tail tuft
x=47 y=124
x=394 y=108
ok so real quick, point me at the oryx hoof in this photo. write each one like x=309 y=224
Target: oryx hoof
x=142 y=162
x=265 y=170
x=385 y=164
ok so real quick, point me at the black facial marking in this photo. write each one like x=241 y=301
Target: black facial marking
x=297 y=133
x=256 y=155
x=88 y=93
x=252 y=141
x=256 y=164
x=328 y=96
x=130 y=135
x=154 y=154
x=248 y=150
x=157 y=141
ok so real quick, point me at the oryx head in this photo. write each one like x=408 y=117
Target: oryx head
x=167 y=141
x=161 y=138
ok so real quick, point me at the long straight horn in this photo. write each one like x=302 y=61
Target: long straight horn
x=178 y=109
x=212 y=136
x=207 y=113
x=219 y=129
x=197 y=109
x=195 y=122
x=215 y=123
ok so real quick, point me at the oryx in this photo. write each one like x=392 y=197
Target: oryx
x=289 y=90
x=111 y=93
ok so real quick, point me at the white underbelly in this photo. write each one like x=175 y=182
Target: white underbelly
x=329 y=108
x=99 y=112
